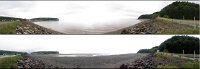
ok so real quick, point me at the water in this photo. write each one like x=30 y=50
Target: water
x=88 y=27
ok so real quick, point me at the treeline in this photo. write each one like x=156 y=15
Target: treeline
x=45 y=52
x=44 y=19
x=3 y=18
x=177 y=10
x=4 y=52
x=176 y=44
x=149 y=16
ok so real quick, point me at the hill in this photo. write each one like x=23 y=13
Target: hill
x=176 y=44
x=177 y=10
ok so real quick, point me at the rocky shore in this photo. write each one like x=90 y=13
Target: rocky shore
x=143 y=63
x=30 y=62
x=28 y=27
x=145 y=27
x=152 y=61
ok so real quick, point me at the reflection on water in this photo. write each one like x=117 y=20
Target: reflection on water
x=90 y=28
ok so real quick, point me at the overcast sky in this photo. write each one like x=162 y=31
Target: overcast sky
x=108 y=44
x=81 y=10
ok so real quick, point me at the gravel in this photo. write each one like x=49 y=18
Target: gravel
x=111 y=61
x=31 y=28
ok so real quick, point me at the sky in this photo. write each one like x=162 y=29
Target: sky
x=67 y=44
x=83 y=11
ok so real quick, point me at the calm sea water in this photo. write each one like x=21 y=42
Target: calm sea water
x=79 y=27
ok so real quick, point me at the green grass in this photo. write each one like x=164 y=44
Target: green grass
x=175 y=62
x=9 y=62
x=191 y=65
x=166 y=67
x=9 y=27
x=169 y=27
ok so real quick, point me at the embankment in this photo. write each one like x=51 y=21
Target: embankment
x=158 y=26
x=28 y=27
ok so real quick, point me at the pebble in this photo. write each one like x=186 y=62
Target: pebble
x=29 y=62
x=140 y=28
x=31 y=28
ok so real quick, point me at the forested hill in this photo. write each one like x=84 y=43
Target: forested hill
x=178 y=10
x=176 y=44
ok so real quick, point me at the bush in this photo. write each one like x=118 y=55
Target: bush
x=166 y=16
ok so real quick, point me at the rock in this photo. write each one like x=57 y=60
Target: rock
x=140 y=28
x=31 y=28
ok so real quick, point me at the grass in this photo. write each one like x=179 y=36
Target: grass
x=184 y=66
x=9 y=27
x=176 y=62
x=166 y=67
x=169 y=27
x=191 y=65
x=9 y=62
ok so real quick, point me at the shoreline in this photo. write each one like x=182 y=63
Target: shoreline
x=112 y=61
x=29 y=27
x=158 y=26
x=129 y=27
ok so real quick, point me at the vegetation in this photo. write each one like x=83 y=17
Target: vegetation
x=177 y=10
x=9 y=62
x=180 y=10
x=168 y=61
x=148 y=16
x=166 y=66
x=145 y=16
x=152 y=50
x=2 y=19
x=9 y=27
x=187 y=65
x=176 y=44
x=45 y=19
x=169 y=27
x=45 y=52
x=191 y=65
x=4 y=52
